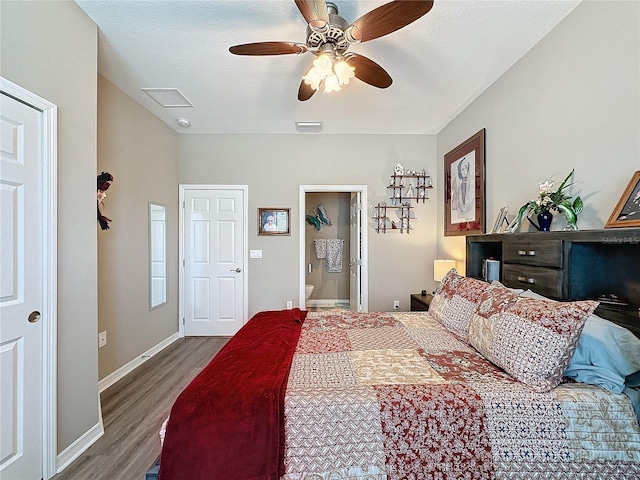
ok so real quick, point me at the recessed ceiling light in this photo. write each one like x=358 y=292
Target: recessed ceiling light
x=309 y=127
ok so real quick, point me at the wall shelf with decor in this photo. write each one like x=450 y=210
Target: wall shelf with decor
x=405 y=186
x=417 y=187
x=384 y=223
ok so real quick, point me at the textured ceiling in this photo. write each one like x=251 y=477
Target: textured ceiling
x=439 y=64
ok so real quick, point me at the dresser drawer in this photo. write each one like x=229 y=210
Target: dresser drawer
x=547 y=253
x=545 y=281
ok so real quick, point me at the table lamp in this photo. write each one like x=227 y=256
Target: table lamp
x=441 y=268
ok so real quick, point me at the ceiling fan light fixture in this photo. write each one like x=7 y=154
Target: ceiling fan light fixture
x=331 y=84
x=343 y=71
x=329 y=34
x=331 y=70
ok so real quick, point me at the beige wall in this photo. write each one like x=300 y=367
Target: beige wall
x=141 y=152
x=273 y=167
x=572 y=101
x=328 y=285
x=49 y=48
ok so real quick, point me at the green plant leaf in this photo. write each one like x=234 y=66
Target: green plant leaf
x=578 y=205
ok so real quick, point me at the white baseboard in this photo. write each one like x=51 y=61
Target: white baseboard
x=77 y=448
x=112 y=378
x=327 y=302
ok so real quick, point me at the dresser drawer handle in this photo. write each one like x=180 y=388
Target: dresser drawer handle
x=527 y=253
x=527 y=280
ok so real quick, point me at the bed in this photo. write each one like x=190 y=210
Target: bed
x=476 y=388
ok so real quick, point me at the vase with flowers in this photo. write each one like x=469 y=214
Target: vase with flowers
x=549 y=200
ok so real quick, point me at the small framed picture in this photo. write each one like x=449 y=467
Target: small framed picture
x=627 y=211
x=501 y=219
x=274 y=221
x=464 y=187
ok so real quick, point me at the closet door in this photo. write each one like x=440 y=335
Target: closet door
x=214 y=261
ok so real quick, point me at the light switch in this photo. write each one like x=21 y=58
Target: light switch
x=255 y=253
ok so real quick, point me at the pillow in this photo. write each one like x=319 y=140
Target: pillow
x=607 y=355
x=531 y=339
x=455 y=300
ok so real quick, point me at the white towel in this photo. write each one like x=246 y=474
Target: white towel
x=321 y=248
x=334 y=255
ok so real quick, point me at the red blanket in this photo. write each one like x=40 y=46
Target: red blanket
x=227 y=423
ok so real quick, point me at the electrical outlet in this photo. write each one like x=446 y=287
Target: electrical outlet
x=289 y=304
x=102 y=339
x=396 y=304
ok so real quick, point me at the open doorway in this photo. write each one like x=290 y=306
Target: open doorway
x=344 y=285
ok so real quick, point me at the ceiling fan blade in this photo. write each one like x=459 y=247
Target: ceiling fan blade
x=305 y=92
x=368 y=71
x=388 y=18
x=314 y=12
x=268 y=48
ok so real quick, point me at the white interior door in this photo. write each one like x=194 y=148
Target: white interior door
x=21 y=292
x=214 y=246
x=355 y=253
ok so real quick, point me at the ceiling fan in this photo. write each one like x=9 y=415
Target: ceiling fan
x=329 y=36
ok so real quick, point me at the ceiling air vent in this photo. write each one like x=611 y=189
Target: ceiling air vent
x=308 y=127
x=168 y=97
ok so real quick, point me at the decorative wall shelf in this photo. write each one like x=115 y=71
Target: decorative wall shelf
x=404 y=188
x=384 y=223
x=417 y=187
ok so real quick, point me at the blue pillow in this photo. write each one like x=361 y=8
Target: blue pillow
x=605 y=356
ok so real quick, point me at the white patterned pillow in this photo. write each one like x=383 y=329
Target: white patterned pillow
x=455 y=301
x=531 y=339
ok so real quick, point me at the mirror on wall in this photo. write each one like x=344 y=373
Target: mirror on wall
x=157 y=255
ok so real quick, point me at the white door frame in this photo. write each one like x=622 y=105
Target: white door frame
x=364 y=282
x=49 y=268
x=245 y=246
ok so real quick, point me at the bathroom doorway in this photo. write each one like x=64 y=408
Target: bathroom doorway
x=337 y=219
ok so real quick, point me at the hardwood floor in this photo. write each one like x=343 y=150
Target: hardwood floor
x=134 y=408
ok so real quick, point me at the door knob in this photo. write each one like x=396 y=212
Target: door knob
x=34 y=316
x=237 y=270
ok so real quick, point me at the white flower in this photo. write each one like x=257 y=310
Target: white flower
x=545 y=187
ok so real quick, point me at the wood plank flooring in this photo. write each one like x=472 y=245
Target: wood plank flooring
x=134 y=408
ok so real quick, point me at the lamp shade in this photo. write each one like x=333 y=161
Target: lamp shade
x=441 y=268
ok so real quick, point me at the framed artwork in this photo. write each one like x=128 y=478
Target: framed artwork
x=627 y=211
x=501 y=219
x=464 y=180
x=274 y=221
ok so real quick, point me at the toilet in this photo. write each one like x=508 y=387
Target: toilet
x=308 y=290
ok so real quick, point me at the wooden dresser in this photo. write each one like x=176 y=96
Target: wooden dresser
x=567 y=266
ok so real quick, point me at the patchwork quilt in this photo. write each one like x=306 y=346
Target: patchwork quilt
x=396 y=396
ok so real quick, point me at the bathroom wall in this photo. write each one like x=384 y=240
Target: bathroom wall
x=328 y=285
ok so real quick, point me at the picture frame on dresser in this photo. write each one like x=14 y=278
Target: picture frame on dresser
x=464 y=193
x=627 y=211
x=501 y=222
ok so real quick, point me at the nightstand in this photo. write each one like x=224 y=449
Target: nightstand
x=420 y=303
